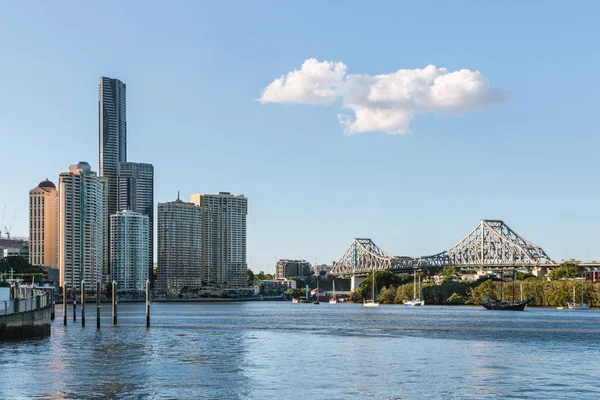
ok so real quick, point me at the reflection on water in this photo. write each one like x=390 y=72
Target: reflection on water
x=281 y=350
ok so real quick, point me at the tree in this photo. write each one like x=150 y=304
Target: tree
x=455 y=299
x=294 y=293
x=19 y=265
x=567 y=270
x=249 y=275
x=382 y=278
x=387 y=296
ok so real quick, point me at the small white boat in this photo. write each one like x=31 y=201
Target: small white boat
x=578 y=306
x=333 y=299
x=372 y=302
x=416 y=301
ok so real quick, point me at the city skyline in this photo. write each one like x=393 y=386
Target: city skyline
x=528 y=160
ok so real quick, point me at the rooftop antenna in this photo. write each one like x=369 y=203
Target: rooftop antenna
x=178 y=195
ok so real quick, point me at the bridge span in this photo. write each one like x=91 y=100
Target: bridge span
x=492 y=244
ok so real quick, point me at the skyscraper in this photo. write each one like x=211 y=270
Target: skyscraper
x=112 y=128
x=136 y=193
x=129 y=250
x=179 y=246
x=83 y=226
x=223 y=238
x=43 y=225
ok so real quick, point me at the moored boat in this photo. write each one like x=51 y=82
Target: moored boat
x=506 y=305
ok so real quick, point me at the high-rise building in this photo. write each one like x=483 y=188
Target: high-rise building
x=129 y=250
x=112 y=128
x=43 y=225
x=82 y=226
x=286 y=268
x=223 y=238
x=179 y=237
x=136 y=193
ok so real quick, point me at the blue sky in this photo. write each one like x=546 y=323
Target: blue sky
x=194 y=71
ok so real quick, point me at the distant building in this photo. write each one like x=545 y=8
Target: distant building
x=323 y=267
x=21 y=251
x=83 y=240
x=286 y=268
x=136 y=193
x=129 y=250
x=277 y=283
x=223 y=238
x=179 y=246
x=43 y=225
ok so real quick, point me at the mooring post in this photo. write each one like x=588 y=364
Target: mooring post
x=53 y=302
x=65 y=302
x=82 y=303
x=17 y=296
x=114 y=302
x=148 y=303
x=74 y=296
x=97 y=305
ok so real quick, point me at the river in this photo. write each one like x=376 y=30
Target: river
x=279 y=350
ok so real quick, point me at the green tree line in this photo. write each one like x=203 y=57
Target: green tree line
x=555 y=291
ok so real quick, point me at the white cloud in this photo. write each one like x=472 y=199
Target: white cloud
x=315 y=83
x=387 y=102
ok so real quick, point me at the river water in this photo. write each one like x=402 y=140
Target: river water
x=279 y=350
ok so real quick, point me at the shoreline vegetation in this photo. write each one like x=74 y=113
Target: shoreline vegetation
x=452 y=291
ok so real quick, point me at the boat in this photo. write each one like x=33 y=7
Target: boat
x=295 y=301
x=578 y=306
x=372 y=302
x=506 y=305
x=416 y=301
x=492 y=304
x=333 y=299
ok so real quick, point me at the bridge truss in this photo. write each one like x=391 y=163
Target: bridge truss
x=491 y=244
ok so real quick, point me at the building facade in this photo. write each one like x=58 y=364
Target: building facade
x=317 y=269
x=223 y=238
x=136 y=193
x=286 y=268
x=43 y=225
x=112 y=132
x=179 y=239
x=82 y=226
x=129 y=250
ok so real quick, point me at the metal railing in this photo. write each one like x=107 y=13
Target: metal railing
x=26 y=300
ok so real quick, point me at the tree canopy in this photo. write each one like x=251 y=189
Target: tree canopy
x=567 y=270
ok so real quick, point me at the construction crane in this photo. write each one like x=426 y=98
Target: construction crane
x=7 y=230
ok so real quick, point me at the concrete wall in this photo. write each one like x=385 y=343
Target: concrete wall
x=25 y=325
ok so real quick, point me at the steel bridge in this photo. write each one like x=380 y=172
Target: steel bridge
x=492 y=244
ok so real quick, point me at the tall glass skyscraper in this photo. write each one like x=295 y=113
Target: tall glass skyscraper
x=136 y=193
x=112 y=128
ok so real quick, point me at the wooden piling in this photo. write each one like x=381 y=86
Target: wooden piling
x=114 y=302
x=82 y=303
x=97 y=305
x=148 y=303
x=65 y=302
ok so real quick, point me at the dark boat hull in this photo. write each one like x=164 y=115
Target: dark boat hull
x=506 y=306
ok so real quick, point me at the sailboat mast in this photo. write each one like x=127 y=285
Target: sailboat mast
x=582 y=283
x=514 y=277
x=373 y=297
x=414 y=284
